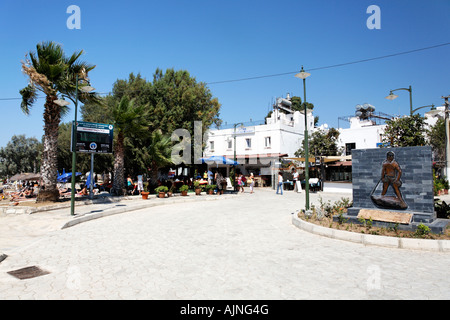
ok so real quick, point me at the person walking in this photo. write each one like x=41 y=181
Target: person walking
x=210 y=177
x=251 y=182
x=280 y=182
x=295 y=178
x=140 y=184
x=241 y=183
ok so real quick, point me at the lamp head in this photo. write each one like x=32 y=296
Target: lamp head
x=302 y=74
x=87 y=89
x=61 y=102
x=392 y=96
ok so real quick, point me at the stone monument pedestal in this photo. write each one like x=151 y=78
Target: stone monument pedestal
x=406 y=220
x=410 y=178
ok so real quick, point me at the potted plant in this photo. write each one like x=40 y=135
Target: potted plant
x=210 y=188
x=145 y=193
x=197 y=187
x=161 y=190
x=184 y=189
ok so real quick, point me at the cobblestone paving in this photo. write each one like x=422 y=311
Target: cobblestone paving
x=242 y=247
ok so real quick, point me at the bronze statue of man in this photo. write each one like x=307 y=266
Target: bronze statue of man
x=390 y=176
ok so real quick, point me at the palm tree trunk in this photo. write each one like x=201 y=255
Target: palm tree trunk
x=52 y=117
x=154 y=172
x=119 y=150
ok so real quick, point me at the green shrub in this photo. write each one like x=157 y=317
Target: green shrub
x=162 y=189
x=422 y=230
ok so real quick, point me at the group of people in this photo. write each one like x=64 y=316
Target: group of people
x=242 y=181
x=135 y=187
x=216 y=178
x=295 y=176
x=66 y=192
x=29 y=190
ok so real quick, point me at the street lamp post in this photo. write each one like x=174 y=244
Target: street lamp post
x=447 y=136
x=393 y=96
x=234 y=164
x=303 y=75
x=62 y=102
x=74 y=153
x=430 y=106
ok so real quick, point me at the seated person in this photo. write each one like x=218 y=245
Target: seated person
x=83 y=192
x=29 y=193
x=20 y=195
x=65 y=191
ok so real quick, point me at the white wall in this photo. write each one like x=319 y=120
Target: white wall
x=364 y=134
x=285 y=131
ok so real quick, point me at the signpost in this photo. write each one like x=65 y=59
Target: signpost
x=92 y=138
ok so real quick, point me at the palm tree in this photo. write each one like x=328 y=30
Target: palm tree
x=52 y=73
x=130 y=121
x=157 y=153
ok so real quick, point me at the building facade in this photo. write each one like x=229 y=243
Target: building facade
x=259 y=148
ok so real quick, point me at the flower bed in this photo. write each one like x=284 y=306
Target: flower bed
x=324 y=213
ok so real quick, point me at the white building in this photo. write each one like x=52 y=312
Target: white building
x=259 y=147
x=365 y=133
x=362 y=134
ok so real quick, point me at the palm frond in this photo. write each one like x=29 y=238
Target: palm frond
x=28 y=98
x=74 y=57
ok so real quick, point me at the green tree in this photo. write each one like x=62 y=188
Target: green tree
x=173 y=100
x=405 y=132
x=64 y=152
x=52 y=73
x=437 y=140
x=323 y=143
x=297 y=104
x=130 y=122
x=20 y=155
x=157 y=153
x=178 y=100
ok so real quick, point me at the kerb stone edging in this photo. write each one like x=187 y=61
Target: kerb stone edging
x=159 y=202
x=369 y=239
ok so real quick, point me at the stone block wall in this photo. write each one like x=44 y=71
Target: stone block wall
x=417 y=177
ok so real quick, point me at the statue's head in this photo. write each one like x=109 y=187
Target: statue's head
x=390 y=155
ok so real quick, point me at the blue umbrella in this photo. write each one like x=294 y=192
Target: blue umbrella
x=65 y=177
x=219 y=160
x=88 y=181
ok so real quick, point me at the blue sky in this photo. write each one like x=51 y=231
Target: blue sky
x=226 y=40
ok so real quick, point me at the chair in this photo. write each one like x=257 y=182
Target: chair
x=314 y=183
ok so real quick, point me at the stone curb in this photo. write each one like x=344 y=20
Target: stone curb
x=7 y=210
x=145 y=204
x=374 y=240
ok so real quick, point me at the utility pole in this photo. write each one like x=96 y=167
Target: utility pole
x=447 y=137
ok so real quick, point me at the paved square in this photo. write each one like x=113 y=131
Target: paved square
x=239 y=247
